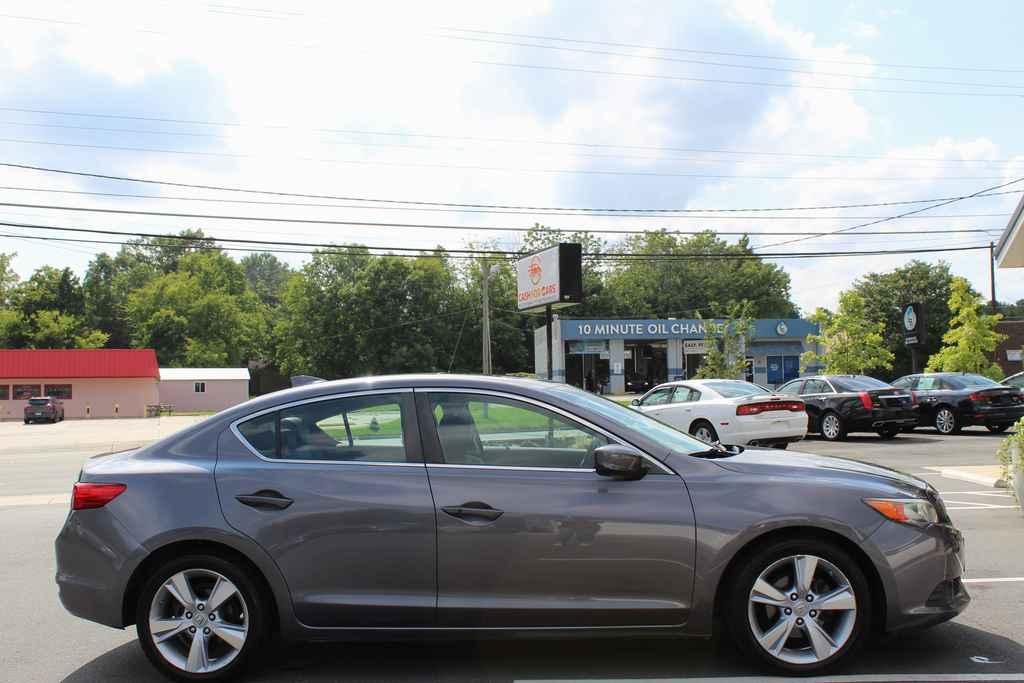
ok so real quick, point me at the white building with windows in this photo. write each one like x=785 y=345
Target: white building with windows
x=203 y=389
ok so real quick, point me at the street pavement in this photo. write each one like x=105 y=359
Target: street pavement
x=41 y=642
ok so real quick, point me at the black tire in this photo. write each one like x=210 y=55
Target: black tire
x=826 y=433
x=248 y=586
x=889 y=433
x=700 y=425
x=27 y=421
x=736 y=607
x=946 y=421
x=997 y=429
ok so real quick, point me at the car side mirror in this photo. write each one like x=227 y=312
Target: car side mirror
x=619 y=462
x=635 y=402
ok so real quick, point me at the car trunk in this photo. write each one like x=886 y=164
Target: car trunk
x=998 y=396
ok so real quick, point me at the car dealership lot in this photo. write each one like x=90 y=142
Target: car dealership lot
x=46 y=643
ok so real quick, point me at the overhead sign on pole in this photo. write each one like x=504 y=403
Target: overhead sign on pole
x=552 y=277
x=914 y=324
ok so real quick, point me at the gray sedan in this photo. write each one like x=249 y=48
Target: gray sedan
x=437 y=506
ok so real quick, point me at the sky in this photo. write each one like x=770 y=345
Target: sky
x=619 y=105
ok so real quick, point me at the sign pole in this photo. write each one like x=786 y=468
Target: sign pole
x=551 y=360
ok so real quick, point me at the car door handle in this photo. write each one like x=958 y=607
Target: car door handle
x=267 y=500
x=473 y=509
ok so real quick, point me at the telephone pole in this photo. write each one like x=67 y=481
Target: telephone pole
x=487 y=272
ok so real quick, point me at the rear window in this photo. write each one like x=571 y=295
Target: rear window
x=735 y=388
x=39 y=401
x=858 y=383
x=970 y=381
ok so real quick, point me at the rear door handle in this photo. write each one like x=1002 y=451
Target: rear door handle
x=473 y=509
x=266 y=500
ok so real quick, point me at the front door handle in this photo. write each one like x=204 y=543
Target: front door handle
x=266 y=500
x=473 y=509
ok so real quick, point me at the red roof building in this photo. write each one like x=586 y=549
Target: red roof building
x=89 y=382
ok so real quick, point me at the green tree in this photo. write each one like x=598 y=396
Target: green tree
x=852 y=344
x=205 y=305
x=726 y=358
x=49 y=289
x=8 y=278
x=56 y=330
x=683 y=285
x=14 y=329
x=885 y=295
x=971 y=341
x=266 y=275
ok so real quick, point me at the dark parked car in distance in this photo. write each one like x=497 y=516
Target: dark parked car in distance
x=950 y=401
x=44 y=408
x=840 y=404
x=1016 y=381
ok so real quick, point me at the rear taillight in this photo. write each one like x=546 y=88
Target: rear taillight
x=88 y=496
x=757 y=408
x=865 y=400
x=979 y=398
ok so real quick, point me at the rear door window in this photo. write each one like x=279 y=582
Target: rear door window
x=792 y=388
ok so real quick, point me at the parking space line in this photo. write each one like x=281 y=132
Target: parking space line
x=850 y=678
x=1002 y=579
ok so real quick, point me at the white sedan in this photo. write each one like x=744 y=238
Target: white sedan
x=729 y=411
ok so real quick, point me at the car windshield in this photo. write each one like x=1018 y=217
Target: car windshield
x=971 y=381
x=733 y=388
x=857 y=383
x=671 y=438
x=38 y=401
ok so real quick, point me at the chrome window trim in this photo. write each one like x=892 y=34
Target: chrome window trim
x=547 y=406
x=327 y=397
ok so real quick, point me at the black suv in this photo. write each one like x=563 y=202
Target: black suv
x=44 y=408
x=950 y=401
x=840 y=404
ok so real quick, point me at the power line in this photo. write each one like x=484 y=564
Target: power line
x=471 y=138
x=737 y=54
x=221 y=188
x=920 y=162
x=902 y=215
x=722 y=81
x=215 y=200
x=469 y=167
x=732 y=66
x=621 y=257
x=420 y=226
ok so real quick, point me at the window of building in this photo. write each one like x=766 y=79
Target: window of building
x=24 y=392
x=365 y=429
x=5 y=392
x=61 y=391
x=200 y=387
x=489 y=430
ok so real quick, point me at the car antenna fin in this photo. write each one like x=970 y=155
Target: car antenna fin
x=303 y=380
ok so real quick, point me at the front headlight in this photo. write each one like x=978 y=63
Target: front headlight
x=905 y=510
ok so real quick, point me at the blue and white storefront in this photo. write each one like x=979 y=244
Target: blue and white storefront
x=631 y=355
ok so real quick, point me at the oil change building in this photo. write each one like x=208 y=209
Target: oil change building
x=627 y=355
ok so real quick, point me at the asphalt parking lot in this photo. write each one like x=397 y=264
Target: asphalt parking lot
x=41 y=642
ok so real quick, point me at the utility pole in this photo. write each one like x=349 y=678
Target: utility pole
x=992 y=274
x=487 y=272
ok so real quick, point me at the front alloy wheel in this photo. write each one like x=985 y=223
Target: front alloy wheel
x=831 y=427
x=945 y=421
x=804 y=606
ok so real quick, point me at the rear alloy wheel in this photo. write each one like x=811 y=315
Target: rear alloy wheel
x=800 y=606
x=200 y=618
x=997 y=429
x=704 y=431
x=832 y=427
x=945 y=421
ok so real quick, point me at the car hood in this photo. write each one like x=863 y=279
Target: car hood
x=771 y=462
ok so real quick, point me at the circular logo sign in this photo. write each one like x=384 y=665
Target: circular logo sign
x=535 y=271
x=909 y=318
x=781 y=328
